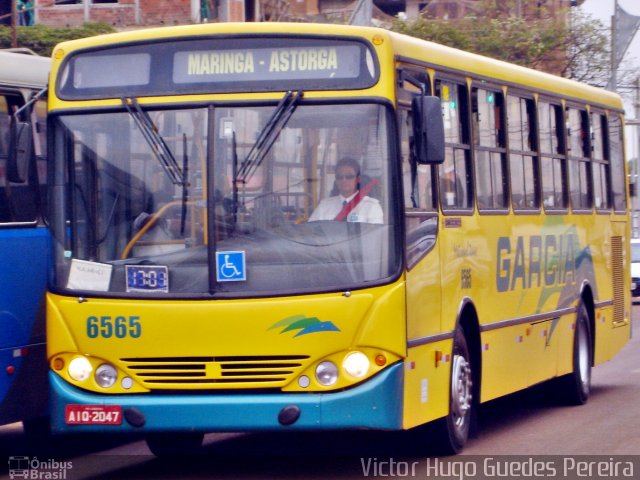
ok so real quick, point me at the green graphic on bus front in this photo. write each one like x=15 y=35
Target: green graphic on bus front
x=305 y=325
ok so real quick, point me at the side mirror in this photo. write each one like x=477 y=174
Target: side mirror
x=20 y=151
x=428 y=130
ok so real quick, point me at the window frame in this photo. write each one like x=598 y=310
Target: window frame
x=533 y=153
x=463 y=146
x=557 y=131
x=604 y=162
x=616 y=155
x=582 y=160
x=27 y=192
x=500 y=149
x=419 y=219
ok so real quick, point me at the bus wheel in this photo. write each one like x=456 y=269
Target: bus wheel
x=576 y=386
x=174 y=443
x=456 y=425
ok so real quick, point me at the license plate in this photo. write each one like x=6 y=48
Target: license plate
x=93 y=414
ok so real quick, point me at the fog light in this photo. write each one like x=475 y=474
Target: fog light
x=303 y=381
x=79 y=369
x=327 y=373
x=126 y=383
x=106 y=375
x=356 y=364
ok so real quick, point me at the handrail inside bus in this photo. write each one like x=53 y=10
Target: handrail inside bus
x=150 y=223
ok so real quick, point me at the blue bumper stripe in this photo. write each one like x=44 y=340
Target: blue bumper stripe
x=376 y=404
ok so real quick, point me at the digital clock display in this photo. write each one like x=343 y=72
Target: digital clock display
x=147 y=278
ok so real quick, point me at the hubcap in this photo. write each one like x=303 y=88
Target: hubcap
x=460 y=391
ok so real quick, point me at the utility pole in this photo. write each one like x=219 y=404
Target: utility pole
x=14 y=21
x=636 y=166
x=623 y=28
x=362 y=13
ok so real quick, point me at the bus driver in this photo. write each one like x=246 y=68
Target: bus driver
x=351 y=204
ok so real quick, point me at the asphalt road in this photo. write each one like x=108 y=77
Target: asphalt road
x=525 y=435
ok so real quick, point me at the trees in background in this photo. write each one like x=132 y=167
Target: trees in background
x=43 y=39
x=572 y=45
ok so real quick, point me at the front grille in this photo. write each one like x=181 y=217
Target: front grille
x=214 y=372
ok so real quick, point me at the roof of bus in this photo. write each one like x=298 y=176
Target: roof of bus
x=23 y=70
x=429 y=53
x=488 y=69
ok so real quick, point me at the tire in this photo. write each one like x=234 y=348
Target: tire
x=576 y=386
x=174 y=443
x=455 y=427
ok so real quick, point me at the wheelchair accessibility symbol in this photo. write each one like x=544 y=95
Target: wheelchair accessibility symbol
x=230 y=267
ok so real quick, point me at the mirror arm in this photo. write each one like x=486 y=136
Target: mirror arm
x=30 y=102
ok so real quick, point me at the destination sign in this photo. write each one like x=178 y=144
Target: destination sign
x=218 y=65
x=267 y=63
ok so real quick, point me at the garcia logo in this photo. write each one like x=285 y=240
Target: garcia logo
x=305 y=325
x=536 y=261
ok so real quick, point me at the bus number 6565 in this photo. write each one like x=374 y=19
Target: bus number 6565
x=108 y=327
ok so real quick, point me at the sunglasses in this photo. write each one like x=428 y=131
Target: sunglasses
x=349 y=176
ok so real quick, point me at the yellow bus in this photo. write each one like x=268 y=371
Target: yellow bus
x=270 y=226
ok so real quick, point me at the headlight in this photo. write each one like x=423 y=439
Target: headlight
x=327 y=373
x=106 y=375
x=356 y=364
x=79 y=369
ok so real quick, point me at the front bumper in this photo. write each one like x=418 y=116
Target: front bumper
x=375 y=404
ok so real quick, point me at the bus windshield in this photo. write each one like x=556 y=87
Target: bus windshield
x=220 y=200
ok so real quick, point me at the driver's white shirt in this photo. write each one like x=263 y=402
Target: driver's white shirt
x=368 y=210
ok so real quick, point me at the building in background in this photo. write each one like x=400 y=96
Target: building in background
x=126 y=13
x=119 y=13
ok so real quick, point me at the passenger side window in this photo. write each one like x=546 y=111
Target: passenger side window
x=420 y=201
x=619 y=181
x=581 y=191
x=600 y=162
x=552 y=156
x=455 y=183
x=18 y=201
x=417 y=179
x=489 y=141
x=523 y=159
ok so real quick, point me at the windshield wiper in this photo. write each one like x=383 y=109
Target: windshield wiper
x=154 y=139
x=268 y=135
x=185 y=184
